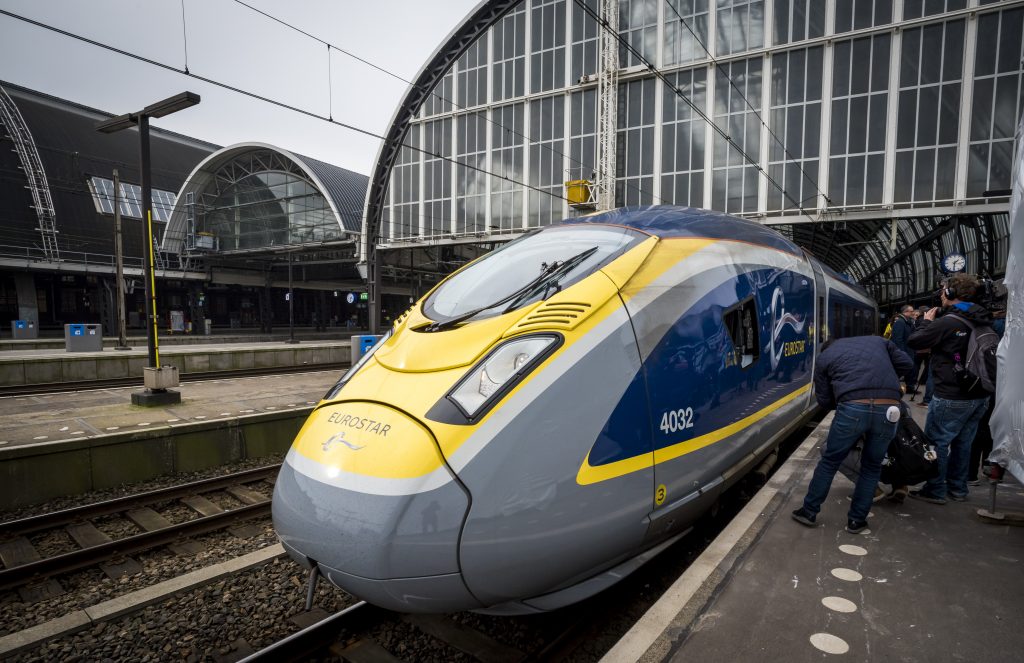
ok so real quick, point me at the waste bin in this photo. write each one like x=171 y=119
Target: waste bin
x=83 y=338
x=24 y=329
x=207 y=326
x=361 y=344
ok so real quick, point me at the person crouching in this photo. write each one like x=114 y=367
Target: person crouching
x=860 y=378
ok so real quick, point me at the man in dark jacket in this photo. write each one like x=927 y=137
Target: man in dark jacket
x=902 y=328
x=860 y=378
x=954 y=412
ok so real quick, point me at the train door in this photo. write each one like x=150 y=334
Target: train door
x=820 y=332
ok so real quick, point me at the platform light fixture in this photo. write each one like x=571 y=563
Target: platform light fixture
x=156 y=392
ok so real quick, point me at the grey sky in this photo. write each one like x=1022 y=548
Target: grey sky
x=234 y=45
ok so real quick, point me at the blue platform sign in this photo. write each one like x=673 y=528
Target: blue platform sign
x=19 y=324
x=77 y=330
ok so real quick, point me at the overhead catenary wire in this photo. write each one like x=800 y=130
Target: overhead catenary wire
x=719 y=67
x=268 y=100
x=603 y=24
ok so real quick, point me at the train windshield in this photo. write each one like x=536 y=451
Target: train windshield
x=529 y=269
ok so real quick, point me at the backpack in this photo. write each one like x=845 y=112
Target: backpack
x=911 y=457
x=979 y=368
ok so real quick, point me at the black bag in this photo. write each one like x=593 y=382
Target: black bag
x=911 y=458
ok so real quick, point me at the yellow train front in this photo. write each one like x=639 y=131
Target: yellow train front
x=557 y=412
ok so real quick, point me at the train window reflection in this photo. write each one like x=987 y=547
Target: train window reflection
x=741 y=323
x=511 y=267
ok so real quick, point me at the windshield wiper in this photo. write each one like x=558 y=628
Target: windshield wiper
x=555 y=269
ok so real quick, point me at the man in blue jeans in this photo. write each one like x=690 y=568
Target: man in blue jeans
x=860 y=378
x=955 y=410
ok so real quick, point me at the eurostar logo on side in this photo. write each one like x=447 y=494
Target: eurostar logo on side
x=340 y=438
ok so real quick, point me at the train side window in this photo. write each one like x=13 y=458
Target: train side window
x=741 y=323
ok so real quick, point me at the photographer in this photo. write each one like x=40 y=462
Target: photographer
x=954 y=411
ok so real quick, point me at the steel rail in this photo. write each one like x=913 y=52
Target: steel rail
x=134 y=381
x=79 y=559
x=53 y=519
x=302 y=645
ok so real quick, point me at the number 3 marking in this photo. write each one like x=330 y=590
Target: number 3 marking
x=676 y=420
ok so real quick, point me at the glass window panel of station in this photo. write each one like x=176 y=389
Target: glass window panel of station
x=927 y=120
x=795 y=121
x=796 y=20
x=860 y=95
x=507 y=166
x=686 y=31
x=740 y=25
x=472 y=76
x=584 y=41
x=470 y=173
x=638 y=24
x=996 y=101
x=634 y=145
x=441 y=97
x=547 y=48
x=682 y=140
x=437 y=177
x=509 y=42
x=737 y=97
x=405 y=187
x=546 y=168
x=861 y=14
x=583 y=135
x=102 y=194
x=920 y=8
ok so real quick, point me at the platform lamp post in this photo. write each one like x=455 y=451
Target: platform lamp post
x=156 y=378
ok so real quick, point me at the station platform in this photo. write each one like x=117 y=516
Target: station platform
x=96 y=439
x=26 y=420
x=927 y=582
x=138 y=341
x=31 y=367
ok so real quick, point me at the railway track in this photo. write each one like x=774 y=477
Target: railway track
x=23 y=563
x=85 y=385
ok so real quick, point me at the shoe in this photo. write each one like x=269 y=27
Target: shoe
x=879 y=494
x=898 y=495
x=804 y=517
x=856 y=526
x=925 y=497
x=922 y=404
x=974 y=482
x=958 y=497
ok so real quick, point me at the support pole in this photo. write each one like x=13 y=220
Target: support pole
x=291 y=304
x=149 y=276
x=122 y=333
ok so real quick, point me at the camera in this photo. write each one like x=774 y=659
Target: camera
x=992 y=295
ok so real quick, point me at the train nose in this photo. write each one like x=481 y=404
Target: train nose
x=364 y=492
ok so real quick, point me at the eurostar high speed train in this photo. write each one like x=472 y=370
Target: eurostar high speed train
x=557 y=412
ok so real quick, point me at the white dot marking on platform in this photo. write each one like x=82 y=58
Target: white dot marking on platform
x=64 y=428
x=829 y=644
x=853 y=550
x=199 y=416
x=171 y=421
x=78 y=432
x=144 y=423
x=40 y=437
x=245 y=411
x=225 y=414
x=3 y=442
x=847 y=574
x=112 y=427
x=839 y=604
x=270 y=407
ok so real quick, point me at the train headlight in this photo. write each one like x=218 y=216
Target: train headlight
x=359 y=364
x=493 y=377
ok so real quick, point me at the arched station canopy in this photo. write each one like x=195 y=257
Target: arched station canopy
x=255 y=198
x=424 y=223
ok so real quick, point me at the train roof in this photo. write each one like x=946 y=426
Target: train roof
x=666 y=221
